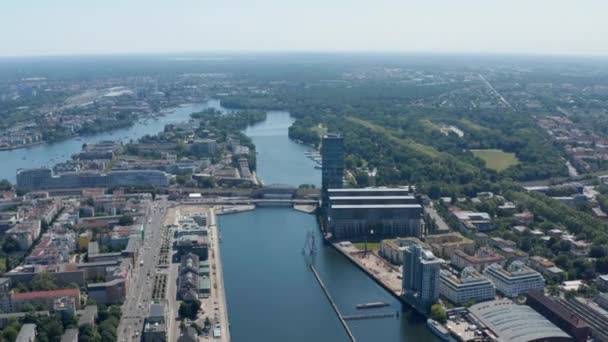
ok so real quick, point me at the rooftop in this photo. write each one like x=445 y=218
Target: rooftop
x=515 y=323
x=563 y=312
x=45 y=294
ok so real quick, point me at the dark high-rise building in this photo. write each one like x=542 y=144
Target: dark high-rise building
x=332 y=155
x=373 y=213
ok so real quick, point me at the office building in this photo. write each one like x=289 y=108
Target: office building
x=516 y=323
x=481 y=259
x=445 y=245
x=43 y=178
x=5 y=295
x=203 y=147
x=516 y=280
x=420 y=277
x=196 y=244
x=155 y=325
x=602 y=282
x=332 y=156
x=373 y=214
x=469 y=287
x=42 y=299
x=559 y=315
x=392 y=249
x=109 y=292
x=191 y=281
x=473 y=222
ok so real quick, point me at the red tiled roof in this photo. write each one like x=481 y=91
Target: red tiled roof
x=45 y=294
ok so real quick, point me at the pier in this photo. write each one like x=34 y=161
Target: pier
x=333 y=304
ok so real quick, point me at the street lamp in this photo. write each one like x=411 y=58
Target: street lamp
x=371 y=232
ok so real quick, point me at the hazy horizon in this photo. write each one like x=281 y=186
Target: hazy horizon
x=519 y=27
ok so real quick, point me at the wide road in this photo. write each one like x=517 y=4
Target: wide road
x=139 y=291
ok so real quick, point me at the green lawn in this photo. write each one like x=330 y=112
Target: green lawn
x=373 y=246
x=496 y=159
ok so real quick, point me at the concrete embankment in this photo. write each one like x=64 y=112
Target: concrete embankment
x=224 y=210
x=305 y=208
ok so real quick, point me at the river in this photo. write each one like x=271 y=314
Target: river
x=279 y=159
x=53 y=153
x=272 y=294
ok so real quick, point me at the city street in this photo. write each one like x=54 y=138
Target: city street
x=139 y=291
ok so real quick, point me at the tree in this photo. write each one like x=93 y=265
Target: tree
x=189 y=309
x=570 y=294
x=5 y=185
x=88 y=333
x=553 y=290
x=125 y=220
x=10 y=333
x=10 y=245
x=43 y=282
x=438 y=313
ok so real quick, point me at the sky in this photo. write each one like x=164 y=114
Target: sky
x=67 y=27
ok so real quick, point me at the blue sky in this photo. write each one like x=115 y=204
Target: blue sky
x=49 y=27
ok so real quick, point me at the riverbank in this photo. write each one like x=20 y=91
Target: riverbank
x=305 y=208
x=49 y=153
x=233 y=209
x=10 y=148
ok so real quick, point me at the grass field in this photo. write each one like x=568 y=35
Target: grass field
x=496 y=159
x=372 y=246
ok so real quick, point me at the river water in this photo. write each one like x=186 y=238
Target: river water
x=51 y=154
x=272 y=294
x=279 y=159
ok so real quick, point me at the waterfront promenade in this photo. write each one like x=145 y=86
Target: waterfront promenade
x=213 y=307
x=218 y=292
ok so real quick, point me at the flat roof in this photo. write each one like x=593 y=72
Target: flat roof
x=375 y=206
x=69 y=335
x=515 y=323
x=26 y=333
x=45 y=294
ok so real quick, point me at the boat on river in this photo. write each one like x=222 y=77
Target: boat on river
x=372 y=305
x=438 y=329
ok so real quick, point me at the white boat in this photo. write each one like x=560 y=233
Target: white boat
x=439 y=330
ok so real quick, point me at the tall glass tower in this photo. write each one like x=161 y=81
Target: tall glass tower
x=420 y=276
x=332 y=155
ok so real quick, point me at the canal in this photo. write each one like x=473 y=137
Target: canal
x=272 y=294
x=51 y=154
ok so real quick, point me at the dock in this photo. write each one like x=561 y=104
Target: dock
x=333 y=304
